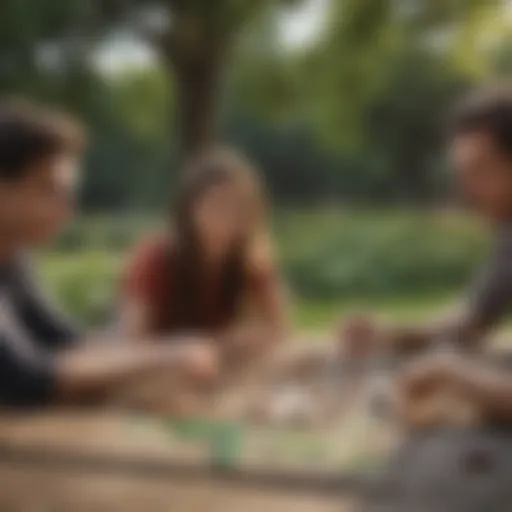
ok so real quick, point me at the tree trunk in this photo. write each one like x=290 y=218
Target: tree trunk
x=197 y=84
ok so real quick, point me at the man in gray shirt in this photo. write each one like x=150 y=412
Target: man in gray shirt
x=481 y=148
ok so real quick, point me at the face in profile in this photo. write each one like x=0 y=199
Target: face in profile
x=37 y=205
x=484 y=173
x=221 y=215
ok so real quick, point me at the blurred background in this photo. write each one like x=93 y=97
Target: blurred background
x=341 y=103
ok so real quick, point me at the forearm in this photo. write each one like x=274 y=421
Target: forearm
x=92 y=370
x=246 y=339
x=460 y=331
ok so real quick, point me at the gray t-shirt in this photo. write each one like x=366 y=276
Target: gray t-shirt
x=491 y=295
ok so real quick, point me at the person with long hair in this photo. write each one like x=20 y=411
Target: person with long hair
x=211 y=273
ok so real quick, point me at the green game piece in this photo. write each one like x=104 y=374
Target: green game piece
x=226 y=444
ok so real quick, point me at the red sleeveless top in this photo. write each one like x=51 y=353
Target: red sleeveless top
x=150 y=280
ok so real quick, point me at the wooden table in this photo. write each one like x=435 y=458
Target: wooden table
x=68 y=461
x=92 y=460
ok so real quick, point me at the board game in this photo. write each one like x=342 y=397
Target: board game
x=315 y=458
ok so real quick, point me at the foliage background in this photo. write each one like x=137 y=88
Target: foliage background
x=341 y=103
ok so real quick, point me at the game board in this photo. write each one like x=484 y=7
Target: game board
x=317 y=464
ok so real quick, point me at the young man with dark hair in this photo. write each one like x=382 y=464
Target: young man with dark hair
x=481 y=148
x=44 y=359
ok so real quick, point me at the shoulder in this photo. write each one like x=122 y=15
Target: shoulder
x=149 y=262
x=261 y=266
x=503 y=242
x=153 y=249
x=498 y=266
x=21 y=271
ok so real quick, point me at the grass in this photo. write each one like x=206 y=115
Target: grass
x=80 y=279
x=404 y=265
x=321 y=316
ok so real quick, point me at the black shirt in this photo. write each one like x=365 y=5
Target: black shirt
x=31 y=333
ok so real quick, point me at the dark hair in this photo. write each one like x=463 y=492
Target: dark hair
x=488 y=110
x=30 y=133
x=215 y=167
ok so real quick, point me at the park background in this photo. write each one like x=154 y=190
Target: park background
x=341 y=103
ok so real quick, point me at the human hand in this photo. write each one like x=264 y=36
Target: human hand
x=429 y=374
x=199 y=360
x=359 y=336
x=245 y=343
x=430 y=393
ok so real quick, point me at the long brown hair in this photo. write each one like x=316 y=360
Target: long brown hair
x=212 y=168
